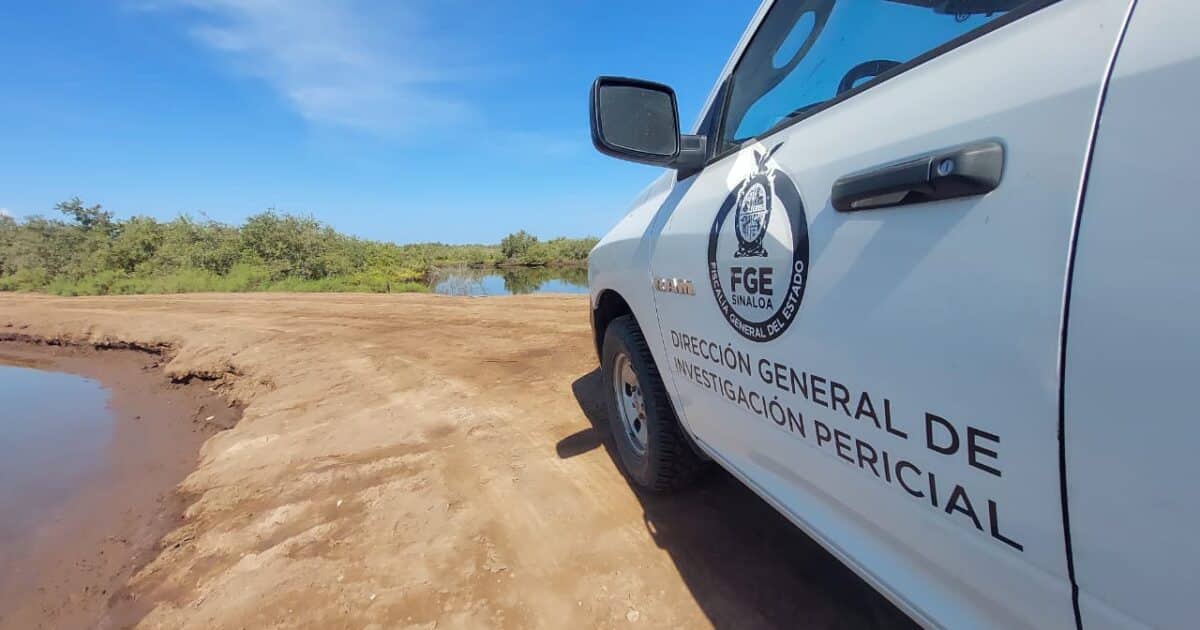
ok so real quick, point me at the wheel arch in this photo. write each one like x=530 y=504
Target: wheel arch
x=609 y=305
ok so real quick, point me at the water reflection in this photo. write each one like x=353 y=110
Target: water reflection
x=54 y=428
x=511 y=281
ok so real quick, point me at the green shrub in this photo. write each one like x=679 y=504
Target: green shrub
x=25 y=279
x=88 y=252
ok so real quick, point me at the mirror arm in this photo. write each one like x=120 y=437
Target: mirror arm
x=693 y=152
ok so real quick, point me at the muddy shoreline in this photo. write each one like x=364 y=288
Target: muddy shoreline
x=74 y=570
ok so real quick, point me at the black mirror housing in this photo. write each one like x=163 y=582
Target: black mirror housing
x=635 y=120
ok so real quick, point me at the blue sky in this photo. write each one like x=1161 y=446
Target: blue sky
x=448 y=120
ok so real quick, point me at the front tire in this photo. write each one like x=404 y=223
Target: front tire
x=653 y=451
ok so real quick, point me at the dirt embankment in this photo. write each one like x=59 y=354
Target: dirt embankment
x=422 y=461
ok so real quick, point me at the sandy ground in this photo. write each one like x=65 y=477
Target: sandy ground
x=424 y=461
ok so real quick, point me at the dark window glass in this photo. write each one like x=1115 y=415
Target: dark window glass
x=807 y=52
x=638 y=119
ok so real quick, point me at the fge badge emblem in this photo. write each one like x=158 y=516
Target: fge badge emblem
x=758 y=261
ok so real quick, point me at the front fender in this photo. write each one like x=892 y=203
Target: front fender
x=620 y=262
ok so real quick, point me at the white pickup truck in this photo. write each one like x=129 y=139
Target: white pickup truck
x=925 y=277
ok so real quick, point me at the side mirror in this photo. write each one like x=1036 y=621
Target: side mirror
x=638 y=121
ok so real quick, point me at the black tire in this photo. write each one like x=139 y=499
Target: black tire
x=665 y=462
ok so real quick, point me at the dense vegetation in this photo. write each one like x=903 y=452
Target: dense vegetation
x=89 y=252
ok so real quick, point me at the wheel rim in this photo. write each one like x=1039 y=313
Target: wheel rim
x=631 y=403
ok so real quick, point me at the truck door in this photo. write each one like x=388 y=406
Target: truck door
x=878 y=250
x=1132 y=352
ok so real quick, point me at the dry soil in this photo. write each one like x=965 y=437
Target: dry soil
x=426 y=461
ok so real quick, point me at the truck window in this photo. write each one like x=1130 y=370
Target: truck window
x=807 y=53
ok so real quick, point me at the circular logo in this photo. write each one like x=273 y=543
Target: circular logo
x=758 y=262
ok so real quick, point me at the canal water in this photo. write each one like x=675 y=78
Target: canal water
x=54 y=431
x=515 y=281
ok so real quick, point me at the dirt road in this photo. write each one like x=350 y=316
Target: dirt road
x=422 y=461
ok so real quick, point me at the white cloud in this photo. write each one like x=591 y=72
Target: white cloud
x=334 y=65
x=5 y=213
